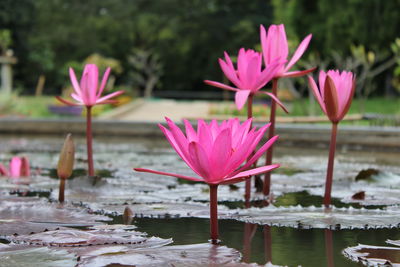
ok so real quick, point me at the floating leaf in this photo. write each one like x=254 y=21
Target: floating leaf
x=185 y=255
x=78 y=238
x=374 y=255
x=312 y=217
x=16 y=227
x=161 y=210
x=36 y=210
x=22 y=256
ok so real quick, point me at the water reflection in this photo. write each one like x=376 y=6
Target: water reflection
x=329 y=248
x=248 y=234
x=262 y=244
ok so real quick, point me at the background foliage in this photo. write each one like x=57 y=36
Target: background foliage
x=186 y=36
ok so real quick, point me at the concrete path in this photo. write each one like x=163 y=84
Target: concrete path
x=154 y=110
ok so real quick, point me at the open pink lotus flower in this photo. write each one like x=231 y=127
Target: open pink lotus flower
x=87 y=92
x=216 y=152
x=275 y=45
x=249 y=77
x=19 y=167
x=336 y=90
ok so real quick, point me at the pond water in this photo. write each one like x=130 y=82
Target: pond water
x=293 y=231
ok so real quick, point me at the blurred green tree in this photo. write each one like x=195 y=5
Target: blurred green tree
x=188 y=36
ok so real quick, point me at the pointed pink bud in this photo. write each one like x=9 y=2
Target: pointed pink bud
x=335 y=93
x=15 y=167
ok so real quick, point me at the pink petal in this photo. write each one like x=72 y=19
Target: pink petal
x=93 y=81
x=252 y=73
x=331 y=100
x=269 y=72
x=349 y=100
x=179 y=138
x=241 y=98
x=103 y=81
x=230 y=73
x=200 y=160
x=74 y=82
x=205 y=137
x=242 y=65
x=181 y=149
x=243 y=151
x=114 y=94
x=169 y=174
x=316 y=93
x=3 y=170
x=276 y=100
x=190 y=132
x=76 y=97
x=239 y=177
x=67 y=102
x=297 y=73
x=299 y=52
x=259 y=153
x=274 y=44
x=221 y=85
x=86 y=95
x=15 y=167
x=221 y=152
x=240 y=133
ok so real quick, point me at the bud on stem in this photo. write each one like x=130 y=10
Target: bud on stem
x=65 y=164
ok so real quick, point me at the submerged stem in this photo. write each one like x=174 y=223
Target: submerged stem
x=329 y=173
x=89 y=138
x=247 y=194
x=214 y=214
x=61 y=190
x=271 y=133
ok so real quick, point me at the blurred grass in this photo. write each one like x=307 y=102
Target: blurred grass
x=301 y=107
x=36 y=106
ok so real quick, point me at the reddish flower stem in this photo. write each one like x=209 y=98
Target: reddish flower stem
x=329 y=174
x=271 y=133
x=89 y=138
x=61 y=190
x=214 y=214
x=247 y=194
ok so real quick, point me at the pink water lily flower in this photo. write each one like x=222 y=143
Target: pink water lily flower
x=87 y=92
x=335 y=94
x=19 y=167
x=216 y=152
x=249 y=77
x=275 y=45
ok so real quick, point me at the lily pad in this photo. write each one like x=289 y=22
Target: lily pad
x=184 y=255
x=312 y=217
x=78 y=238
x=374 y=255
x=22 y=256
x=40 y=211
x=162 y=210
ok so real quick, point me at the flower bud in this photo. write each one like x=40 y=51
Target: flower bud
x=66 y=160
